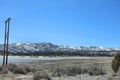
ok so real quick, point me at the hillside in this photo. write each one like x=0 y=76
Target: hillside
x=52 y=49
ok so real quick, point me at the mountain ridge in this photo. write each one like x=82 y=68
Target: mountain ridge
x=50 y=47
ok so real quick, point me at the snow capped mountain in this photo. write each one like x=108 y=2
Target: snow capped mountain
x=46 y=46
x=49 y=47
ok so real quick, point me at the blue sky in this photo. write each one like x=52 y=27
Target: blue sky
x=63 y=22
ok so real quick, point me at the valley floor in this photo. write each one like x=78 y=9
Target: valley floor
x=69 y=69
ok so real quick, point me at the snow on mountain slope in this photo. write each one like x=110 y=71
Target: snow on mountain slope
x=47 y=47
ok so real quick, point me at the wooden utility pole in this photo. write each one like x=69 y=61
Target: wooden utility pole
x=6 y=42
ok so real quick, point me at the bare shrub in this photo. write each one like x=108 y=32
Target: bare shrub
x=73 y=70
x=34 y=69
x=27 y=68
x=66 y=70
x=41 y=75
x=3 y=70
x=12 y=67
x=24 y=69
x=96 y=69
x=20 y=70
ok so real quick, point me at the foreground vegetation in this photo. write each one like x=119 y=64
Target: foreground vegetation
x=79 y=69
x=116 y=63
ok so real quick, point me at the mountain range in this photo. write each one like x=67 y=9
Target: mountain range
x=49 y=47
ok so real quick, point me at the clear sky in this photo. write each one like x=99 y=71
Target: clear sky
x=63 y=22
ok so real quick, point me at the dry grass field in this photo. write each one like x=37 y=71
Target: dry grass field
x=97 y=68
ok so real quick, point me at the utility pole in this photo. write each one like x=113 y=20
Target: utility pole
x=6 y=42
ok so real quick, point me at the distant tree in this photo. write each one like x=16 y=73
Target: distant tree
x=116 y=63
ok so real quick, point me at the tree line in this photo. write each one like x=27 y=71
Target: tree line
x=67 y=53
